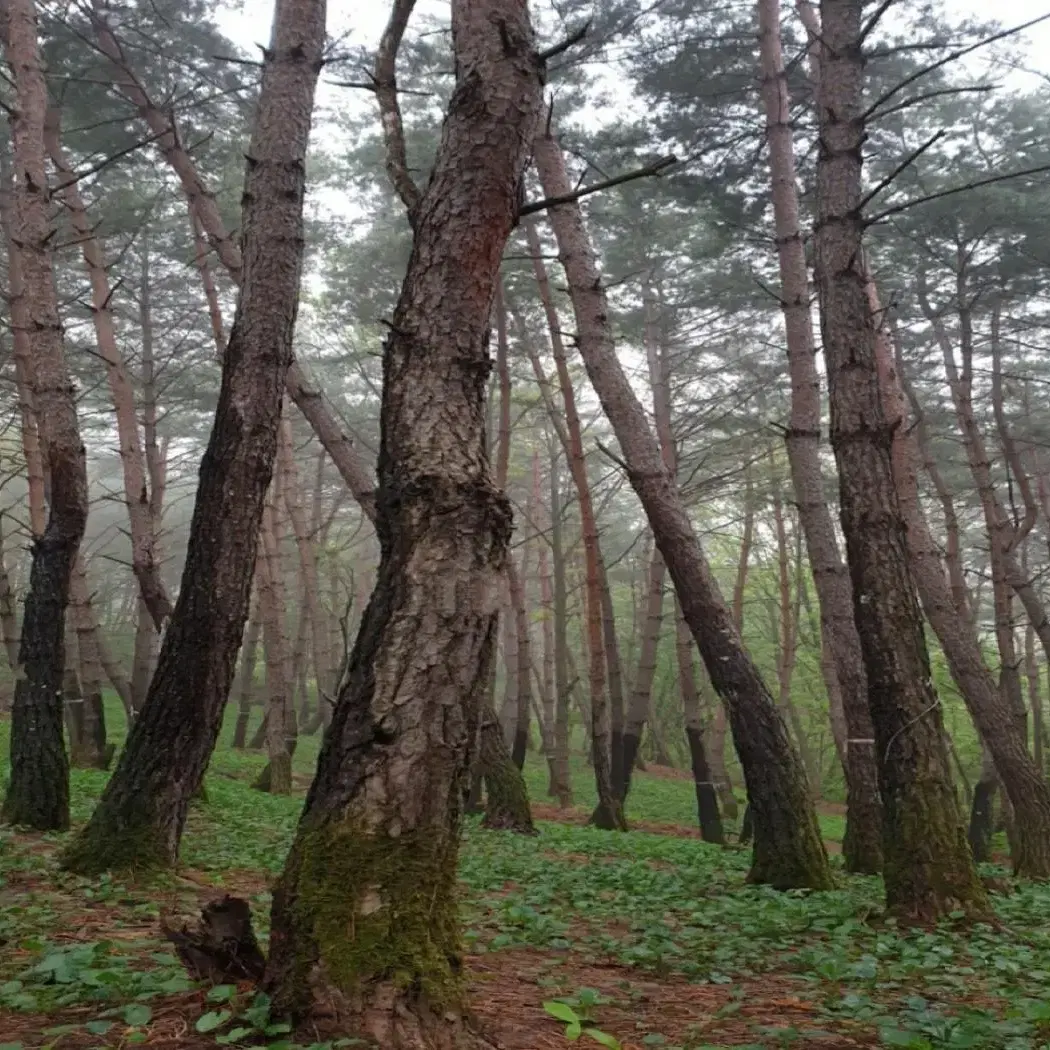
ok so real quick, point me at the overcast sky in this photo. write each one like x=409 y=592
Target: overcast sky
x=249 y=20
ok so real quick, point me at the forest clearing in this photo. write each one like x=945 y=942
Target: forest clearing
x=524 y=523
x=653 y=937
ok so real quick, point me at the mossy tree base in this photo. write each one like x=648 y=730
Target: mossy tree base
x=609 y=816
x=507 y=800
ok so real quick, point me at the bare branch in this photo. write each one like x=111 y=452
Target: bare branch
x=1042 y=169
x=903 y=166
x=570 y=41
x=654 y=169
x=385 y=80
x=952 y=57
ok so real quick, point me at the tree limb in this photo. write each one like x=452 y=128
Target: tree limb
x=385 y=80
x=656 y=168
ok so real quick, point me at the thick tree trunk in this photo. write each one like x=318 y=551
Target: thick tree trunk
x=928 y=868
x=144 y=561
x=351 y=933
x=38 y=789
x=843 y=669
x=140 y=817
x=706 y=796
x=788 y=848
x=996 y=722
x=609 y=812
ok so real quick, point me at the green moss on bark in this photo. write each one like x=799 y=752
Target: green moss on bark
x=132 y=847
x=507 y=800
x=375 y=909
x=929 y=870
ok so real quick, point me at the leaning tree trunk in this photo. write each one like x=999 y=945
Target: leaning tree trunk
x=144 y=560
x=929 y=871
x=351 y=932
x=140 y=817
x=788 y=850
x=205 y=215
x=38 y=789
x=989 y=707
x=844 y=669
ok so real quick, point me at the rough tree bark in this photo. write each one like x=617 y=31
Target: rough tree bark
x=139 y=820
x=927 y=864
x=988 y=706
x=38 y=789
x=843 y=671
x=788 y=850
x=364 y=921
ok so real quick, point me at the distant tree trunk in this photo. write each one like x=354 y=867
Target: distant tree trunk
x=957 y=633
x=38 y=789
x=788 y=848
x=246 y=677
x=8 y=606
x=94 y=751
x=139 y=820
x=788 y=617
x=117 y=678
x=144 y=654
x=641 y=694
x=350 y=928
x=307 y=551
x=547 y=676
x=843 y=662
x=609 y=812
x=144 y=562
x=982 y=811
x=561 y=785
x=18 y=305
x=1035 y=696
x=928 y=868
x=280 y=713
x=614 y=672
x=706 y=796
x=523 y=669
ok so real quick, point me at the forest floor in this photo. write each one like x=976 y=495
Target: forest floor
x=652 y=938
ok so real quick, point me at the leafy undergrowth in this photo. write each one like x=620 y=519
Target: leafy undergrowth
x=638 y=940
